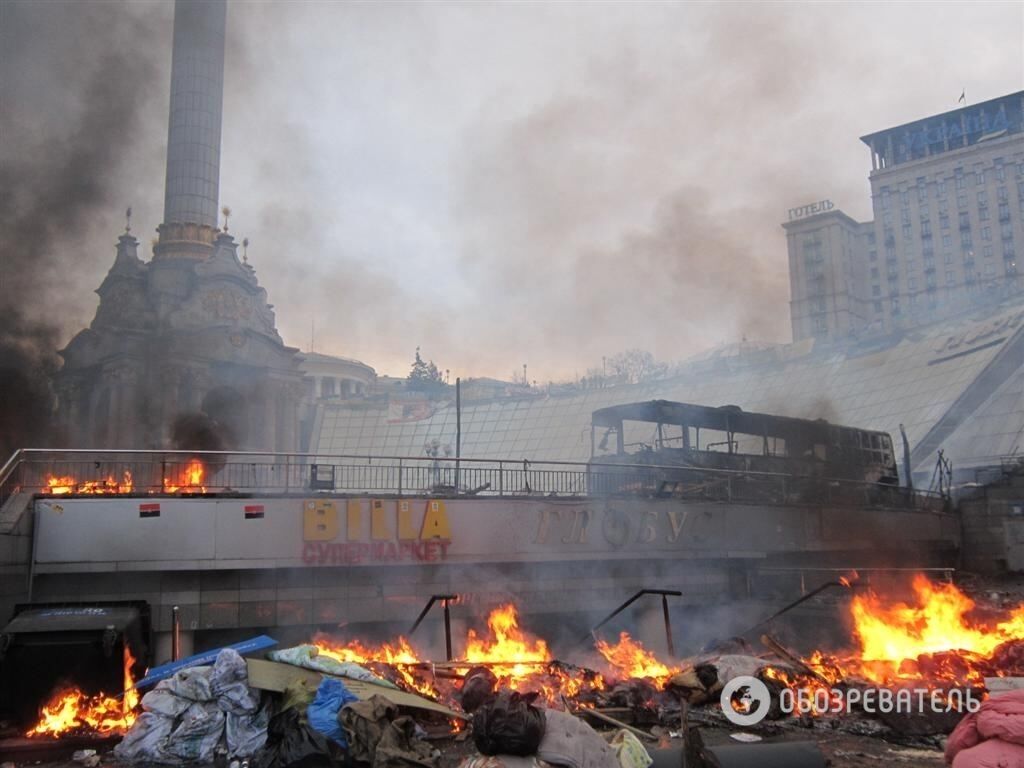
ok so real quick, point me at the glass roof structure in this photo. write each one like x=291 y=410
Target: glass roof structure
x=915 y=380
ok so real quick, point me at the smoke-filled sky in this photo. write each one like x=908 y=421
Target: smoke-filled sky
x=499 y=184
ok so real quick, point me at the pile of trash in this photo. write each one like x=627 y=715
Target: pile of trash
x=188 y=716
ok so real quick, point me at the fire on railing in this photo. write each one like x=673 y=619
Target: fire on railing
x=88 y=472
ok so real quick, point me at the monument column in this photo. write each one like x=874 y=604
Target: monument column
x=193 y=138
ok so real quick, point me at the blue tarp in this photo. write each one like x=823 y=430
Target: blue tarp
x=322 y=712
x=156 y=674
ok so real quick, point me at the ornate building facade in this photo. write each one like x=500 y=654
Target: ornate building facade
x=187 y=338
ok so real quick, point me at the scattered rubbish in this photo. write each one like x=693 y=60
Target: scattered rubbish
x=323 y=711
x=309 y=657
x=509 y=724
x=194 y=710
x=156 y=674
x=630 y=752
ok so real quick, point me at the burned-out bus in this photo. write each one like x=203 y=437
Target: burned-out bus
x=727 y=443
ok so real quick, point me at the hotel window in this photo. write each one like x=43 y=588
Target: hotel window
x=979 y=178
x=905 y=198
x=907 y=233
x=1008 y=252
x=944 y=220
x=1007 y=229
x=950 y=279
x=947 y=241
x=911 y=283
x=1002 y=194
x=990 y=269
x=876 y=290
x=958 y=177
x=885 y=199
x=940 y=188
x=983 y=213
x=874 y=273
x=905 y=216
x=986 y=233
x=983 y=198
x=926 y=228
x=986 y=251
x=1000 y=170
x=878 y=306
x=961 y=200
x=966 y=241
x=922 y=191
x=1004 y=212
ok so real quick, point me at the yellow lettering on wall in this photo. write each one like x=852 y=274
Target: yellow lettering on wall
x=435 y=522
x=406 y=530
x=355 y=519
x=319 y=521
x=379 y=529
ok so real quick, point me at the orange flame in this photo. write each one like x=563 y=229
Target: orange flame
x=398 y=654
x=631 y=659
x=66 y=484
x=189 y=479
x=73 y=710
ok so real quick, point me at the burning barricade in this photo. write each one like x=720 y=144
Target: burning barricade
x=939 y=652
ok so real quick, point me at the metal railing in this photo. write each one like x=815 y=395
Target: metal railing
x=107 y=472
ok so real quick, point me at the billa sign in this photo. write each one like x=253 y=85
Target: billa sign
x=374 y=531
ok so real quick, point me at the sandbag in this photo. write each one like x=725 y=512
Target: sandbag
x=246 y=734
x=192 y=684
x=162 y=701
x=322 y=712
x=229 y=684
x=197 y=734
x=145 y=740
x=509 y=725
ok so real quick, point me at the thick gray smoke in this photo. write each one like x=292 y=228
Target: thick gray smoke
x=76 y=89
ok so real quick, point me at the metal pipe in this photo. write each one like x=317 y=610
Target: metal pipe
x=668 y=626
x=448 y=623
x=663 y=592
x=175 y=634
x=458 y=442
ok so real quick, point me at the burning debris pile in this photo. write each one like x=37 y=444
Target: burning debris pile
x=188 y=478
x=940 y=646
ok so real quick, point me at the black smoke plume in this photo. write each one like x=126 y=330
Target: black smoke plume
x=76 y=81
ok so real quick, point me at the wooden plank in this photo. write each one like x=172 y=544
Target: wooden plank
x=276 y=676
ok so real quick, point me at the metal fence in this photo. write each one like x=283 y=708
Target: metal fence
x=87 y=472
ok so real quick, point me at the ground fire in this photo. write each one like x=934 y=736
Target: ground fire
x=939 y=640
x=72 y=711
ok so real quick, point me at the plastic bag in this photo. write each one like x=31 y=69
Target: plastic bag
x=291 y=742
x=322 y=712
x=145 y=739
x=630 y=751
x=509 y=725
x=196 y=736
